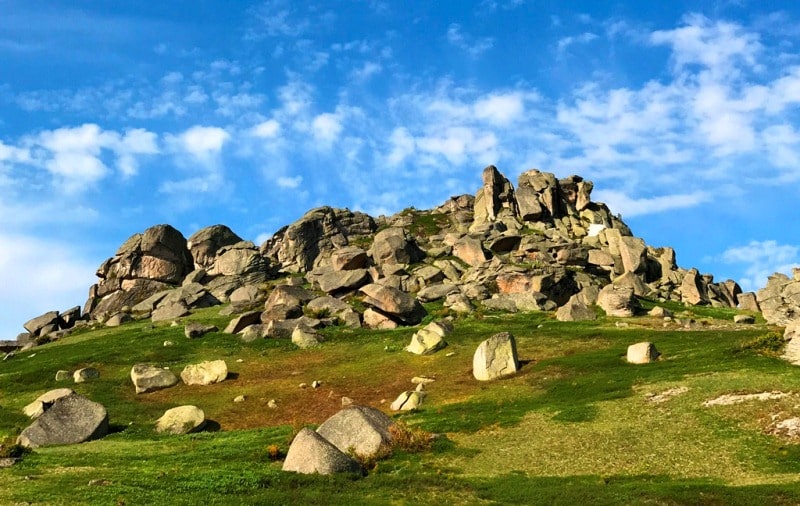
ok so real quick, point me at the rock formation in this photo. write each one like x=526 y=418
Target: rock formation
x=533 y=247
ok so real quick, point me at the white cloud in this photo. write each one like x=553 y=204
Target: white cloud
x=501 y=108
x=202 y=141
x=366 y=71
x=326 y=127
x=762 y=259
x=473 y=47
x=41 y=281
x=719 y=45
x=267 y=129
x=402 y=146
x=289 y=182
x=629 y=207
x=564 y=43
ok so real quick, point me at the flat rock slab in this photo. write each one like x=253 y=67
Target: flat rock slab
x=194 y=330
x=44 y=401
x=394 y=302
x=311 y=453
x=71 y=419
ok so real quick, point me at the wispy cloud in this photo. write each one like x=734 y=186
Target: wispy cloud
x=760 y=260
x=471 y=45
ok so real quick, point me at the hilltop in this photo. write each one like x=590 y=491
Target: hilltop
x=489 y=344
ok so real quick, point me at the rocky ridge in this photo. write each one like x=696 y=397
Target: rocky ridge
x=543 y=245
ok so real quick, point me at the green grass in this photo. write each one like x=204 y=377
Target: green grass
x=574 y=425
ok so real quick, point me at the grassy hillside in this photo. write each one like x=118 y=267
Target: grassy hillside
x=577 y=424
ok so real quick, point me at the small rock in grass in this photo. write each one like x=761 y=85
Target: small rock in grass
x=272 y=404
x=642 y=353
x=239 y=398
x=346 y=401
x=744 y=319
x=63 y=375
x=316 y=384
x=85 y=374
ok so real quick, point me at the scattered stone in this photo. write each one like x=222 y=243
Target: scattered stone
x=430 y=339
x=99 y=482
x=85 y=374
x=375 y=320
x=272 y=404
x=407 y=401
x=44 y=401
x=642 y=353
x=495 y=357
x=205 y=373
x=744 y=319
x=63 y=375
x=181 y=420
x=170 y=312
x=239 y=398
x=731 y=399
x=361 y=429
x=316 y=384
x=422 y=380
x=666 y=395
x=167 y=344
x=311 y=453
x=660 y=312
x=70 y=420
x=346 y=401
x=194 y=330
x=148 y=378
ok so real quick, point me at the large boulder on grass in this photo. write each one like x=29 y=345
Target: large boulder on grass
x=362 y=428
x=642 y=353
x=495 y=357
x=311 y=453
x=71 y=419
x=148 y=378
x=205 y=373
x=181 y=420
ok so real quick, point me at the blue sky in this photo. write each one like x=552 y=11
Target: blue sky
x=118 y=115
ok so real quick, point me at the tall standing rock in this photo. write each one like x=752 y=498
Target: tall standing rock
x=495 y=201
x=495 y=358
x=206 y=242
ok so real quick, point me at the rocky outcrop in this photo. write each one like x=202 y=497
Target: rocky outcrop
x=303 y=245
x=531 y=248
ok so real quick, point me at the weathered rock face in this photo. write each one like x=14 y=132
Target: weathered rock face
x=495 y=358
x=780 y=300
x=206 y=242
x=618 y=301
x=71 y=419
x=301 y=246
x=145 y=264
x=311 y=453
x=360 y=428
x=394 y=246
x=241 y=259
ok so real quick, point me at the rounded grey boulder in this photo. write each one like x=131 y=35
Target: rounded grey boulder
x=311 y=453
x=71 y=419
x=362 y=428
